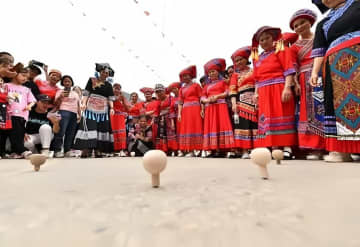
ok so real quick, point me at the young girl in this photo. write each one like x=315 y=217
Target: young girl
x=21 y=103
x=310 y=126
x=68 y=103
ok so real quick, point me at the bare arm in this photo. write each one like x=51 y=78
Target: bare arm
x=180 y=106
x=318 y=61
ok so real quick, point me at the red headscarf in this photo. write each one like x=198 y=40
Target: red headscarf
x=218 y=64
x=191 y=70
x=242 y=52
x=146 y=90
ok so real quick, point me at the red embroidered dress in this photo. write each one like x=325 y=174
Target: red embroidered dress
x=191 y=125
x=118 y=125
x=242 y=87
x=218 y=133
x=276 y=120
x=310 y=125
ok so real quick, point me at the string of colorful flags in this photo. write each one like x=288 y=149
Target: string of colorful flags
x=161 y=32
x=129 y=49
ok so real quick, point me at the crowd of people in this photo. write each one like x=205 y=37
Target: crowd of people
x=301 y=95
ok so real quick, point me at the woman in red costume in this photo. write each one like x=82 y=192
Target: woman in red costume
x=134 y=105
x=166 y=134
x=174 y=89
x=310 y=124
x=190 y=114
x=273 y=73
x=242 y=88
x=121 y=109
x=218 y=134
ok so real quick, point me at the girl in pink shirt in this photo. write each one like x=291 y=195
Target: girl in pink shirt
x=21 y=102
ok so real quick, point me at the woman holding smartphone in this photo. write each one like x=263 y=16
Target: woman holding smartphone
x=68 y=103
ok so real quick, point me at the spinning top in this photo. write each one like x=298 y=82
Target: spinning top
x=37 y=160
x=278 y=155
x=261 y=157
x=154 y=162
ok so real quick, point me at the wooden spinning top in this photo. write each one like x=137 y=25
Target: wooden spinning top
x=37 y=160
x=261 y=157
x=154 y=162
x=278 y=155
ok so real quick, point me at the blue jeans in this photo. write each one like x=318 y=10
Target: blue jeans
x=68 y=129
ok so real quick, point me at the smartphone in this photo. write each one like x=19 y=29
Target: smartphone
x=67 y=91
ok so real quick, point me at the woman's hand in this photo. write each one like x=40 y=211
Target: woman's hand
x=83 y=107
x=202 y=114
x=314 y=79
x=179 y=117
x=112 y=112
x=286 y=94
x=255 y=98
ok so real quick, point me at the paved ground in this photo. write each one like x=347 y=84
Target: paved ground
x=202 y=202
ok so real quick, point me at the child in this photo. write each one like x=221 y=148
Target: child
x=21 y=103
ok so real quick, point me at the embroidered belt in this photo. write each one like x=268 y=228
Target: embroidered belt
x=270 y=82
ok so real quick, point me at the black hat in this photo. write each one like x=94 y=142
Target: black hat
x=43 y=97
x=35 y=68
x=101 y=66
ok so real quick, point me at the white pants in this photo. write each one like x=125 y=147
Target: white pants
x=44 y=138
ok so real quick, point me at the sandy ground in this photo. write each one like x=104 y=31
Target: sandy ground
x=202 y=202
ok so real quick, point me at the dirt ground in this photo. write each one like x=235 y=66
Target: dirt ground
x=201 y=202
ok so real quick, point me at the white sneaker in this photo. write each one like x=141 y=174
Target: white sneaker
x=355 y=157
x=26 y=154
x=190 y=154
x=122 y=153
x=197 y=153
x=132 y=154
x=335 y=157
x=313 y=157
x=230 y=155
x=69 y=154
x=245 y=155
x=180 y=154
x=59 y=155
